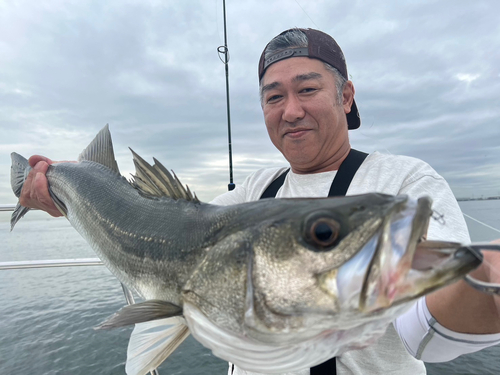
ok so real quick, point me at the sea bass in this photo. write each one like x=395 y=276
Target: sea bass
x=273 y=286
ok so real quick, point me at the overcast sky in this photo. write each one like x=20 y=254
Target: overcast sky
x=427 y=78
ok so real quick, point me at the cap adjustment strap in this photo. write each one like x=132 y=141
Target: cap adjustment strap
x=295 y=52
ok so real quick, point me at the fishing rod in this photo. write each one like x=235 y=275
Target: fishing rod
x=225 y=51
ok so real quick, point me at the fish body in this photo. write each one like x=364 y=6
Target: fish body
x=275 y=285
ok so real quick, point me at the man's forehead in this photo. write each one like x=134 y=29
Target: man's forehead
x=293 y=70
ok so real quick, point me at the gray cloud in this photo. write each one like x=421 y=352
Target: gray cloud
x=427 y=78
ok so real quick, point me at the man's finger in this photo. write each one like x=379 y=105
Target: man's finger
x=41 y=189
x=33 y=160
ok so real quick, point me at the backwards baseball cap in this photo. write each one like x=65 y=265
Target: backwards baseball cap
x=320 y=46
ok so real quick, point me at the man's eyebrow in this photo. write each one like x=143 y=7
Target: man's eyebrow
x=270 y=86
x=306 y=77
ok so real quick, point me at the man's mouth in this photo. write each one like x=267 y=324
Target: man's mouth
x=296 y=133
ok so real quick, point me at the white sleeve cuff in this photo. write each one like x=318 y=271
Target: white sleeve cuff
x=429 y=341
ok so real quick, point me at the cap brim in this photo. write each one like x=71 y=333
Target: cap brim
x=353 y=119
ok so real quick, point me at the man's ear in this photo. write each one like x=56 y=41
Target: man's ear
x=348 y=96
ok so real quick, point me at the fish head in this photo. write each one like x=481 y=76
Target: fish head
x=298 y=268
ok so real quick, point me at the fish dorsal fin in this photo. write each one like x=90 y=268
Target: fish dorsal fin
x=100 y=150
x=157 y=181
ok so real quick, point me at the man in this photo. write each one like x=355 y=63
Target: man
x=308 y=104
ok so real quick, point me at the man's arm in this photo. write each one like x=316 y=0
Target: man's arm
x=456 y=319
x=463 y=309
x=35 y=192
x=457 y=307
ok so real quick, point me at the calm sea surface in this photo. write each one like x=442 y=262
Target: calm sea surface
x=47 y=315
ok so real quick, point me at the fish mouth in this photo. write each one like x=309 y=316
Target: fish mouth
x=398 y=265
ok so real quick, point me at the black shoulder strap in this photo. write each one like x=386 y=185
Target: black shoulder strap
x=326 y=368
x=339 y=187
x=346 y=173
x=340 y=183
x=274 y=186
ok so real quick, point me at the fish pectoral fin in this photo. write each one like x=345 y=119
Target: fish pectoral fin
x=140 y=313
x=153 y=342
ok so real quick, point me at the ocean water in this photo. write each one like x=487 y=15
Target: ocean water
x=47 y=315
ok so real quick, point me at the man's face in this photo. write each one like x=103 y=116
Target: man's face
x=302 y=115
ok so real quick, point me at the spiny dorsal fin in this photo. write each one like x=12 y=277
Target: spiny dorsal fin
x=157 y=181
x=100 y=150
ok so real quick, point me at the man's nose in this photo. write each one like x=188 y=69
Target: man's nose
x=293 y=110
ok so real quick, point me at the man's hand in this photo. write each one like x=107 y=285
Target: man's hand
x=35 y=192
x=492 y=264
x=461 y=308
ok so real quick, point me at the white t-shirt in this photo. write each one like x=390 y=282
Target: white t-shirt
x=389 y=174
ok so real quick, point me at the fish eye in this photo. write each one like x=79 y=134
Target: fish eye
x=322 y=232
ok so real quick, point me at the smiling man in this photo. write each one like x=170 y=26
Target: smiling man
x=308 y=105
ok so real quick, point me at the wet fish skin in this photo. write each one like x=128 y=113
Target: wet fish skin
x=254 y=272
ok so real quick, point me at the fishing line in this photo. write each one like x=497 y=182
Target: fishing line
x=217 y=21
x=490 y=266
x=480 y=222
x=487 y=287
x=307 y=14
x=492 y=269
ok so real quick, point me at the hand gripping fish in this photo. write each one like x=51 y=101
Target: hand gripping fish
x=273 y=286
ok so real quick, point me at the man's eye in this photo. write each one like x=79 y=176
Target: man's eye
x=308 y=89
x=273 y=98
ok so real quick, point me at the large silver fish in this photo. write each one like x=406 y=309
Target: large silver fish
x=275 y=285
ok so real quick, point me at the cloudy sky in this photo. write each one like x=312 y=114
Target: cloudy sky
x=427 y=78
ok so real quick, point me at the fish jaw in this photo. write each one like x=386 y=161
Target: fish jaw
x=394 y=253
x=368 y=281
x=396 y=266
x=454 y=262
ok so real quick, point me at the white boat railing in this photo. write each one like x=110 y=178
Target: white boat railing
x=7 y=207
x=23 y=264
x=81 y=262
